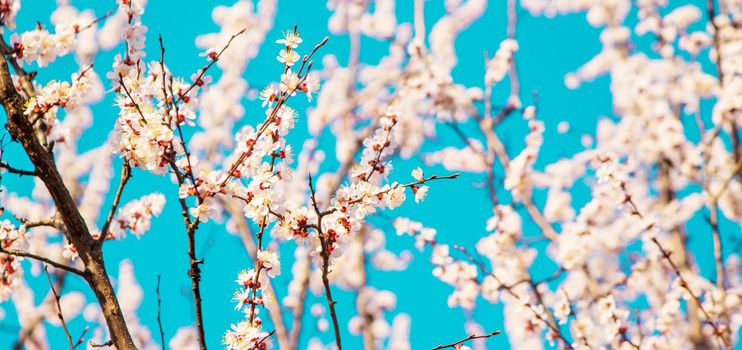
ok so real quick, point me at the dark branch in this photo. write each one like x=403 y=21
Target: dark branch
x=470 y=337
x=17 y=171
x=44 y=260
x=59 y=308
x=159 y=314
x=125 y=176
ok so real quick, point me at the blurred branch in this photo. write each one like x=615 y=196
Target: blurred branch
x=59 y=309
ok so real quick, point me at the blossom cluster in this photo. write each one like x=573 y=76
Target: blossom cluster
x=11 y=273
x=136 y=216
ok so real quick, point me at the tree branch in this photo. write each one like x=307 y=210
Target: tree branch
x=125 y=176
x=325 y=266
x=17 y=171
x=77 y=233
x=59 y=309
x=470 y=337
x=159 y=314
x=42 y=259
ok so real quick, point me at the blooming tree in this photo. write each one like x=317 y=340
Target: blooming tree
x=624 y=275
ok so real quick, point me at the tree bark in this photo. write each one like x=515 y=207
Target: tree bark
x=90 y=254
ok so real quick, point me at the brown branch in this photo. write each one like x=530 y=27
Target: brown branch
x=108 y=343
x=261 y=341
x=470 y=337
x=258 y=269
x=17 y=171
x=194 y=272
x=733 y=131
x=93 y=22
x=59 y=309
x=325 y=266
x=81 y=338
x=77 y=233
x=711 y=12
x=125 y=176
x=207 y=66
x=159 y=314
x=28 y=329
x=134 y=102
x=311 y=53
x=45 y=260
x=415 y=183
x=52 y=222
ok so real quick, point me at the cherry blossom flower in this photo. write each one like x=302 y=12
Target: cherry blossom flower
x=269 y=261
x=290 y=39
x=288 y=57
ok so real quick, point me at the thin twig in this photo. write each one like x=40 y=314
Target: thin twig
x=52 y=222
x=59 y=308
x=325 y=267
x=470 y=337
x=274 y=310
x=159 y=314
x=258 y=268
x=108 y=343
x=20 y=172
x=382 y=192
x=194 y=272
x=261 y=341
x=30 y=327
x=44 y=260
x=133 y=101
x=125 y=176
x=207 y=66
x=81 y=338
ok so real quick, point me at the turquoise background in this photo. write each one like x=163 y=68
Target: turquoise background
x=549 y=48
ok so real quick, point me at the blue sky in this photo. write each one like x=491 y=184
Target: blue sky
x=549 y=48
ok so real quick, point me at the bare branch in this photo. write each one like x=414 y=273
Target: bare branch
x=44 y=260
x=17 y=171
x=159 y=314
x=81 y=338
x=470 y=337
x=125 y=176
x=207 y=66
x=102 y=345
x=77 y=232
x=59 y=309
x=261 y=341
